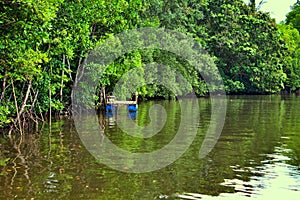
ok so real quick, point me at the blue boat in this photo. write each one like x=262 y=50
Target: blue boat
x=110 y=108
x=132 y=108
x=132 y=115
x=109 y=114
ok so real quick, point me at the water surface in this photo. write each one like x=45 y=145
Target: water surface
x=257 y=155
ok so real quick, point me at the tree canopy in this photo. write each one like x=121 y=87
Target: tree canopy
x=43 y=42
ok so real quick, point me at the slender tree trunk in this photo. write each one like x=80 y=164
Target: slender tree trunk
x=80 y=75
x=17 y=109
x=50 y=99
x=41 y=113
x=26 y=97
x=50 y=110
x=62 y=79
x=69 y=67
x=3 y=86
x=34 y=100
x=103 y=93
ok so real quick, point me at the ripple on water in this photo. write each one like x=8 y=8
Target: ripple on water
x=273 y=179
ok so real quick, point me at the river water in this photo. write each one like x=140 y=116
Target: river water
x=257 y=155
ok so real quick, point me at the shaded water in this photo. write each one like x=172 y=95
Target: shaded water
x=257 y=155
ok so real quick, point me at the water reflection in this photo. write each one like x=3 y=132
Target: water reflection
x=111 y=119
x=274 y=179
x=132 y=115
x=111 y=116
x=257 y=155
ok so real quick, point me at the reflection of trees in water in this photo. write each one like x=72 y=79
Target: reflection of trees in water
x=21 y=148
x=290 y=128
x=55 y=165
x=254 y=129
x=39 y=163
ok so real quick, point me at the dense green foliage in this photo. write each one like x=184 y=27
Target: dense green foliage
x=248 y=46
x=293 y=17
x=290 y=34
x=43 y=42
x=292 y=40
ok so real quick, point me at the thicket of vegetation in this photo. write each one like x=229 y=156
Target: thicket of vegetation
x=43 y=42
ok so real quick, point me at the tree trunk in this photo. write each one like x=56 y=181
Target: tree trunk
x=80 y=75
x=50 y=110
x=34 y=100
x=69 y=67
x=17 y=110
x=62 y=79
x=26 y=97
x=3 y=86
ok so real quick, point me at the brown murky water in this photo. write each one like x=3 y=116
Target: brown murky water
x=257 y=155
